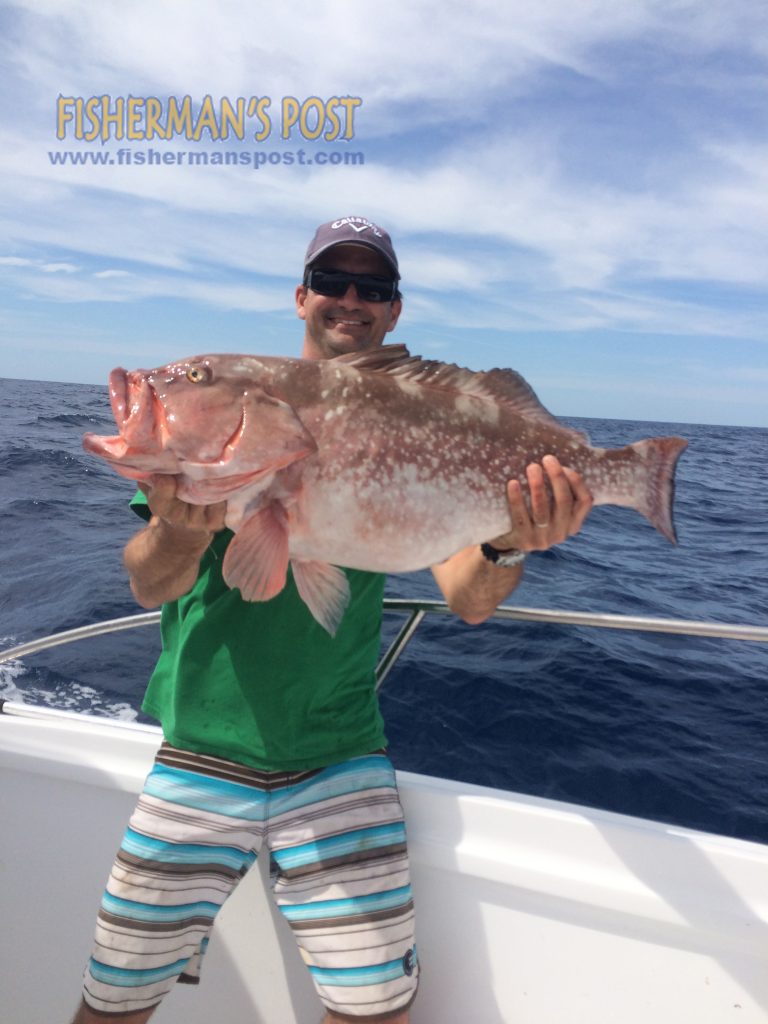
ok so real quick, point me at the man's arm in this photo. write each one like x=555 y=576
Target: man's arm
x=474 y=587
x=163 y=559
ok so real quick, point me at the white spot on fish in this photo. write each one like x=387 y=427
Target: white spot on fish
x=338 y=411
x=243 y=367
x=467 y=405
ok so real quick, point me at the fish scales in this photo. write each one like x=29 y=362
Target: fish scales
x=377 y=460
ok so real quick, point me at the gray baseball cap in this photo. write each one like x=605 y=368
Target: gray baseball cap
x=352 y=231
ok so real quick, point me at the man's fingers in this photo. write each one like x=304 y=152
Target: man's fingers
x=555 y=506
x=583 y=501
x=162 y=498
x=540 y=503
x=518 y=509
x=214 y=516
x=563 y=498
x=164 y=503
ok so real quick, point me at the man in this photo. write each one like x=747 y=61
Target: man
x=273 y=738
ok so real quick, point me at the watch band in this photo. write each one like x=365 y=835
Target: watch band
x=504 y=559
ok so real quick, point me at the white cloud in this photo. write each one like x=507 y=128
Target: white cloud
x=41 y=265
x=396 y=52
x=395 y=56
x=15 y=261
x=502 y=223
x=515 y=190
x=58 y=268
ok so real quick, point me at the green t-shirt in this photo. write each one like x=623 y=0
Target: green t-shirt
x=262 y=683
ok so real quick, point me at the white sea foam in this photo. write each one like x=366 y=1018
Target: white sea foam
x=64 y=696
x=9 y=673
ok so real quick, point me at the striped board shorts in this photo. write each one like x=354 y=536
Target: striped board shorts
x=339 y=870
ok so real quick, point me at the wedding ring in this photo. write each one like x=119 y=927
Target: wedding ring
x=541 y=526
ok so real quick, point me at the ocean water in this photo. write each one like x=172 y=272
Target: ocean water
x=664 y=727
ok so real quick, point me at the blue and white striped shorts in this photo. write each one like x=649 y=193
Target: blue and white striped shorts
x=340 y=877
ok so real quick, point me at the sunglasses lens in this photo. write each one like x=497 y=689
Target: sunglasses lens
x=325 y=283
x=375 y=289
x=334 y=283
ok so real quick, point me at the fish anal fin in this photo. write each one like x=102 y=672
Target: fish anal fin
x=325 y=591
x=256 y=561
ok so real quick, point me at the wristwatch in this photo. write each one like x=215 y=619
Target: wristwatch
x=504 y=559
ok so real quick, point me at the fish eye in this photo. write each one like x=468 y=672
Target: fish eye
x=197 y=374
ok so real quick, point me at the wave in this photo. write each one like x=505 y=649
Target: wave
x=74 y=420
x=43 y=460
x=38 y=689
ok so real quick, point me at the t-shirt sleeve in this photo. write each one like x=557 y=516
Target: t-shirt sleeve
x=140 y=506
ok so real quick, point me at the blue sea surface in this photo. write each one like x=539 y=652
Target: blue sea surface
x=659 y=726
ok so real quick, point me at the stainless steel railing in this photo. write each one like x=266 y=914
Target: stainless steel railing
x=415 y=612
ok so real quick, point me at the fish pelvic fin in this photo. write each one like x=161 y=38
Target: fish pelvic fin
x=503 y=387
x=325 y=591
x=256 y=561
x=655 y=500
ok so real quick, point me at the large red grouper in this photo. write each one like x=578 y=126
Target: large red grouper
x=377 y=460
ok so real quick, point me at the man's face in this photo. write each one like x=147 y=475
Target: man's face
x=346 y=324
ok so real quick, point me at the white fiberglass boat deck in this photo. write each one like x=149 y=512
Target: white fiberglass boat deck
x=529 y=911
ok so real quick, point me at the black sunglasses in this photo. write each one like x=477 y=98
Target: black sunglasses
x=334 y=283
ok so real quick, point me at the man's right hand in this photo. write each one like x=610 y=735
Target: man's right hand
x=164 y=504
x=163 y=559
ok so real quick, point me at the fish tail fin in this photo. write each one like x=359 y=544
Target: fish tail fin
x=655 y=501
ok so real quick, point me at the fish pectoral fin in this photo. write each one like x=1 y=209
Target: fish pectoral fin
x=325 y=591
x=256 y=561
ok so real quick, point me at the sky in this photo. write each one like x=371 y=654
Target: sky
x=577 y=190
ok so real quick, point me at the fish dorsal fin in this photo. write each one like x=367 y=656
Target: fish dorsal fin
x=386 y=358
x=506 y=387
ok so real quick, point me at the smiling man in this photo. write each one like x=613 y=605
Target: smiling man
x=349 y=299
x=273 y=739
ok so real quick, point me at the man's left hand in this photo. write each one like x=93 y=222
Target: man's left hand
x=559 y=504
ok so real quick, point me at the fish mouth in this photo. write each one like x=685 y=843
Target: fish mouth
x=138 y=452
x=138 y=412
x=118 y=395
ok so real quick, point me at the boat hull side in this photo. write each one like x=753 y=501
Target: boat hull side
x=528 y=910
